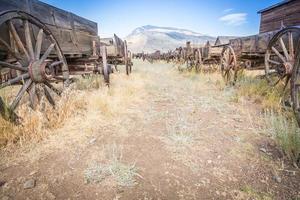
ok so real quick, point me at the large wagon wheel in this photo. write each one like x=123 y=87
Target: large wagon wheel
x=280 y=57
x=229 y=67
x=295 y=78
x=34 y=55
x=198 y=59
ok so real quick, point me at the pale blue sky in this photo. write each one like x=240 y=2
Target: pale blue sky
x=212 y=17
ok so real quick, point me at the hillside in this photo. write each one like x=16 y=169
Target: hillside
x=150 y=38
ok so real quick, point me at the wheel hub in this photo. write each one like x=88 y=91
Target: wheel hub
x=39 y=72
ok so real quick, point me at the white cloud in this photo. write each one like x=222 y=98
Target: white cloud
x=228 y=10
x=234 y=19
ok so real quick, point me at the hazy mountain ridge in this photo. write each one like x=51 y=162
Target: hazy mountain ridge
x=151 y=38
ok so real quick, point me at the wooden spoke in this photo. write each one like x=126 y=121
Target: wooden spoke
x=28 y=39
x=65 y=69
x=274 y=62
x=231 y=59
x=48 y=96
x=15 y=80
x=17 y=39
x=32 y=96
x=14 y=53
x=280 y=79
x=279 y=54
x=38 y=92
x=11 y=66
x=57 y=91
x=20 y=94
x=291 y=45
x=286 y=54
x=38 y=44
x=47 y=53
x=287 y=80
x=56 y=63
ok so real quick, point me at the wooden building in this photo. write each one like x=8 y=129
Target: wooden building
x=283 y=14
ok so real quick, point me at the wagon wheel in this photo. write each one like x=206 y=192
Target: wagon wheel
x=280 y=59
x=33 y=54
x=105 y=68
x=198 y=59
x=295 y=78
x=229 y=67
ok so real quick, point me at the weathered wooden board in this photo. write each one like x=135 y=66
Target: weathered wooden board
x=287 y=14
x=74 y=34
x=115 y=46
x=251 y=45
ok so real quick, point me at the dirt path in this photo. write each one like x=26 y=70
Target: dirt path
x=155 y=135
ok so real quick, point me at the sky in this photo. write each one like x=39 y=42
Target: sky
x=211 y=17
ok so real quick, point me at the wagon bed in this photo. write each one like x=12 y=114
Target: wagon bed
x=41 y=46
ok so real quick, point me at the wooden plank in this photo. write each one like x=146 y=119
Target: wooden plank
x=288 y=14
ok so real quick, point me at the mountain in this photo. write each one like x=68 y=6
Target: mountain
x=151 y=38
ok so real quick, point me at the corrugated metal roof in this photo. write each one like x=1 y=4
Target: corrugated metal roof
x=275 y=6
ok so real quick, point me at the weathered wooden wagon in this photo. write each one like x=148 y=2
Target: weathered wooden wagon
x=40 y=47
x=117 y=52
x=190 y=55
x=196 y=55
x=274 y=49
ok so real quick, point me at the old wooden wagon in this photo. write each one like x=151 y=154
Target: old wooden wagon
x=40 y=47
x=117 y=52
x=190 y=55
x=196 y=55
x=274 y=49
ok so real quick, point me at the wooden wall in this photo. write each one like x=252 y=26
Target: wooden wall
x=288 y=14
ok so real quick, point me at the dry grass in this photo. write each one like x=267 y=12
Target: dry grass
x=248 y=192
x=122 y=173
x=36 y=124
x=116 y=99
x=88 y=82
x=86 y=95
x=260 y=91
x=181 y=128
x=278 y=120
x=286 y=133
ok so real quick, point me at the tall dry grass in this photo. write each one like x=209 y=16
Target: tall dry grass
x=261 y=92
x=85 y=96
x=286 y=133
x=36 y=124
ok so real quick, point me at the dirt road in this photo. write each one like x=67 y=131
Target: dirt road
x=157 y=134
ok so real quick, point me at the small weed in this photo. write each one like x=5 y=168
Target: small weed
x=123 y=174
x=253 y=194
